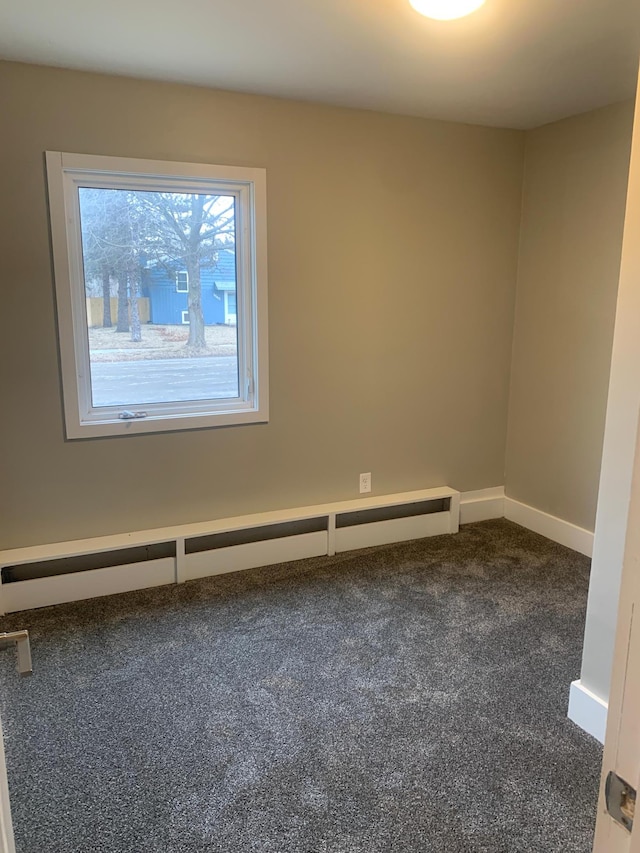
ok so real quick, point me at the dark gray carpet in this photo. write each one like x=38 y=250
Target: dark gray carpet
x=409 y=698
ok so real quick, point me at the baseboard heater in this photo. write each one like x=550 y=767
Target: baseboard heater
x=44 y=575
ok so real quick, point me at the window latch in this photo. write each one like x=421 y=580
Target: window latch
x=129 y=416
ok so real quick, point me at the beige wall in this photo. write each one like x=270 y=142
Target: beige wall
x=571 y=237
x=392 y=264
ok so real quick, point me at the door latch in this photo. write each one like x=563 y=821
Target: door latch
x=19 y=639
x=620 y=799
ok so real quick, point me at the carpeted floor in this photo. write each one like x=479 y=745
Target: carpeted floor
x=408 y=698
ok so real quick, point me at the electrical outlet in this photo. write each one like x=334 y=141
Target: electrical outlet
x=365 y=483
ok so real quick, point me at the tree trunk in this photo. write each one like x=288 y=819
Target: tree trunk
x=123 y=303
x=107 y=323
x=136 y=331
x=196 y=318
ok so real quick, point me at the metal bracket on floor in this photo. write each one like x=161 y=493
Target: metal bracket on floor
x=19 y=639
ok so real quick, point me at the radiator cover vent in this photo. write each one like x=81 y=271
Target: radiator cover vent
x=71 y=571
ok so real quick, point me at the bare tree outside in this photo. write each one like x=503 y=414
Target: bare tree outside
x=100 y=244
x=158 y=253
x=108 y=248
x=125 y=231
x=192 y=228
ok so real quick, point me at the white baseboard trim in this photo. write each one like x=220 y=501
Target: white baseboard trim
x=482 y=505
x=588 y=711
x=547 y=525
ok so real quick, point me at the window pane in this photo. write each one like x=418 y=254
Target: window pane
x=160 y=276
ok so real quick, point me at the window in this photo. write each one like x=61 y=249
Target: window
x=230 y=308
x=142 y=252
x=182 y=281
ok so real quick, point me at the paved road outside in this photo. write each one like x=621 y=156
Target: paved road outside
x=135 y=383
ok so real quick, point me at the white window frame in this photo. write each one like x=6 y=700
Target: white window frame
x=178 y=288
x=230 y=318
x=65 y=174
x=185 y=317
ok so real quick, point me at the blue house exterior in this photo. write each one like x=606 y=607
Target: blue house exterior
x=169 y=293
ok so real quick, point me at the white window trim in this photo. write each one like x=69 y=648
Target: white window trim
x=65 y=173
x=230 y=318
x=178 y=288
x=185 y=318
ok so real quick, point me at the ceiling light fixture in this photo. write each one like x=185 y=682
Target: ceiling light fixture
x=446 y=10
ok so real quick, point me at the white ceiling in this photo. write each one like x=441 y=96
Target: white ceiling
x=514 y=63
